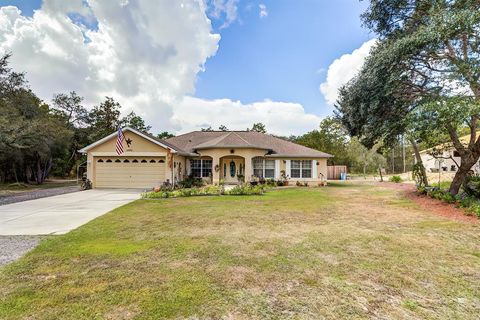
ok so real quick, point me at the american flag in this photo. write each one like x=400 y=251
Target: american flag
x=119 y=144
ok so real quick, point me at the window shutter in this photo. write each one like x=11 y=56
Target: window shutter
x=277 y=169
x=314 y=169
x=287 y=168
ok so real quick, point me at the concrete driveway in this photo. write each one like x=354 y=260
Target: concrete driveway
x=60 y=214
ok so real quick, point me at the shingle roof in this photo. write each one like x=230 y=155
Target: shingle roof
x=197 y=140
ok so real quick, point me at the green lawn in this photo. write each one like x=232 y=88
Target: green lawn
x=345 y=251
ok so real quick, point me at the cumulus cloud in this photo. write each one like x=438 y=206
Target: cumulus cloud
x=283 y=118
x=343 y=69
x=145 y=54
x=263 y=10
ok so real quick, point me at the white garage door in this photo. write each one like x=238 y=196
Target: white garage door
x=129 y=172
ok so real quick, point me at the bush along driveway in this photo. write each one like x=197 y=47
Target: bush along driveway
x=345 y=251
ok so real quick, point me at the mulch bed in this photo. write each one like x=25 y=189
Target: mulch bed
x=435 y=206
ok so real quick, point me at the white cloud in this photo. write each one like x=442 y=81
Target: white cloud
x=144 y=54
x=224 y=8
x=343 y=69
x=263 y=10
x=283 y=118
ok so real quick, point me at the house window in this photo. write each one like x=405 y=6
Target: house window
x=295 y=169
x=301 y=169
x=306 y=168
x=258 y=167
x=206 y=168
x=263 y=168
x=201 y=168
x=270 y=169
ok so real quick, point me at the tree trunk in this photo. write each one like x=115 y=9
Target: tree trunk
x=380 y=172
x=418 y=158
x=465 y=166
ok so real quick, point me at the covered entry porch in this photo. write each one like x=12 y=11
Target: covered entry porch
x=232 y=169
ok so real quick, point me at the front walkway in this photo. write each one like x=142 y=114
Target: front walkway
x=62 y=213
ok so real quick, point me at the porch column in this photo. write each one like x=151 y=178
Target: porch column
x=248 y=169
x=215 y=173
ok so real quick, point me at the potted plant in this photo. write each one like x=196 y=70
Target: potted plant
x=284 y=177
x=253 y=180
x=240 y=178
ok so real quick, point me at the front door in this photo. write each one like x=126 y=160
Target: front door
x=232 y=169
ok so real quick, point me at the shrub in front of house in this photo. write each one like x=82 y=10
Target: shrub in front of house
x=186 y=192
x=471 y=186
x=191 y=182
x=396 y=179
x=211 y=190
x=271 y=183
x=245 y=189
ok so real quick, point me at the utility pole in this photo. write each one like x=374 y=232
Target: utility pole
x=403 y=154
x=393 y=160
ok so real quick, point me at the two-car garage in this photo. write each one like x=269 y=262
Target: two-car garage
x=129 y=172
x=141 y=164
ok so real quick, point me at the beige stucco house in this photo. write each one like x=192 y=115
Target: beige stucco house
x=215 y=156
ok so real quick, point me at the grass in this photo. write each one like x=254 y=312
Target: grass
x=444 y=185
x=14 y=188
x=345 y=251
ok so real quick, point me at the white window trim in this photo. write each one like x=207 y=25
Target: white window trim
x=277 y=169
x=263 y=168
x=201 y=167
x=313 y=170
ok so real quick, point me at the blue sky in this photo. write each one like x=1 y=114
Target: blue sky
x=263 y=63
x=284 y=56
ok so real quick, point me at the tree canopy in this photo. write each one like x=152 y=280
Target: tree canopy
x=422 y=79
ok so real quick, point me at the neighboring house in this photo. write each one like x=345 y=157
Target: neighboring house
x=211 y=155
x=444 y=158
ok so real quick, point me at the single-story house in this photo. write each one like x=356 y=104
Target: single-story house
x=444 y=157
x=228 y=156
